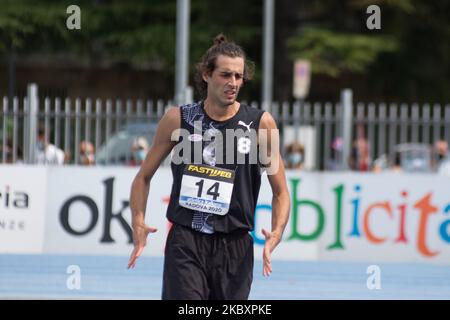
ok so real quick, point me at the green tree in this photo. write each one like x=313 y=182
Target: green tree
x=137 y=34
x=332 y=53
x=140 y=33
x=406 y=60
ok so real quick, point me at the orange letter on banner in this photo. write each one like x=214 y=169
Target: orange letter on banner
x=426 y=208
x=370 y=236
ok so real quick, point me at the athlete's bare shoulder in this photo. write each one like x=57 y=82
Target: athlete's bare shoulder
x=267 y=121
x=170 y=121
x=172 y=114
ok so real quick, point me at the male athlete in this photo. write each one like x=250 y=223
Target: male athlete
x=209 y=251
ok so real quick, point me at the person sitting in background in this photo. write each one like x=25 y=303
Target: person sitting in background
x=47 y=153
x=442 y=157
x=360 y=156
x=440 y=151
x=139 y=151
x=67 y=157
x=8 y=151
x=397 y=162
x=380 y=164
x=334 y=162
x=295 y=156
x=87 y=153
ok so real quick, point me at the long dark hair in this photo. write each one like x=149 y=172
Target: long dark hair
x=208 y=62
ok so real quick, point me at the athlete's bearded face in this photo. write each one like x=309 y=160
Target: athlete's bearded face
x=226 y=80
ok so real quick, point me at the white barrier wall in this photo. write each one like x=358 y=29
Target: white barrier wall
x=89 y=211
x=372 y=217
x=23 y=192
x=334 y=216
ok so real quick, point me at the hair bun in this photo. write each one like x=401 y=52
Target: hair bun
x=220 y=38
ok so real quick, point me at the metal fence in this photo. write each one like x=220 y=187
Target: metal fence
x=325 y=125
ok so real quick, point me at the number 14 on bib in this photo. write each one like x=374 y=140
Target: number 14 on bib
x=207 y=189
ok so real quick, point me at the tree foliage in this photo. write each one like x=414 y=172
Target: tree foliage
x=408 y=58
x=139 y=33
x=331 y=53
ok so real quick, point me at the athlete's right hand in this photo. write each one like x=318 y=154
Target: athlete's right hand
x=140 y=234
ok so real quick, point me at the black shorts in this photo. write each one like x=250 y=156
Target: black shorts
x=200 y=266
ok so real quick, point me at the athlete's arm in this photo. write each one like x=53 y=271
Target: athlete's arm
x=161 y=147
x=270 y=152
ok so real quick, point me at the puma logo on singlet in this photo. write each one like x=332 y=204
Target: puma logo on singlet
x=242 y=123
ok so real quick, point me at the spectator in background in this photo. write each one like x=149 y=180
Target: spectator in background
x=397 y=162
x=67 y=157
x=334 y=163
x=87 y=153
x=385 y=163
x=440 y=152
x=47 y=153
x=139 y=151
x=8 y=150
x=380 y=164
x=360 y=156
x=441 y=157
x=295 y=156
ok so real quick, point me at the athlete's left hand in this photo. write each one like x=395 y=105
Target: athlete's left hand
x=272 y=239
x=140 y=234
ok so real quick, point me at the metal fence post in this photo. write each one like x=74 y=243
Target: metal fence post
x=268 y=40
x=32 y=108
x=346 y=125
x=182 y=51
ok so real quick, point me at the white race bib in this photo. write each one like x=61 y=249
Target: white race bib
x=207 y=189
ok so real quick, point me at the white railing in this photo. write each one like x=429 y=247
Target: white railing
x=317 y=125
